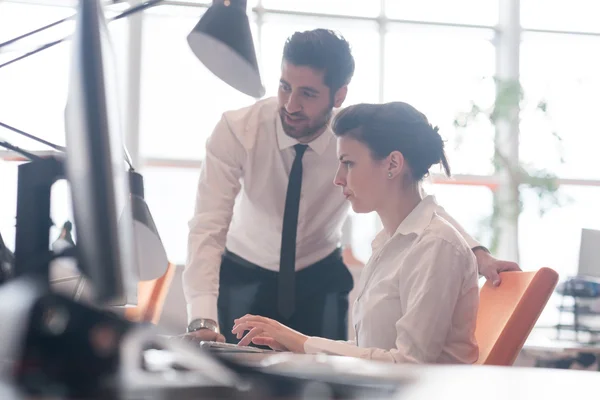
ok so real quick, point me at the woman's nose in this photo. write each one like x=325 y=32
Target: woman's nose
x=339 y=180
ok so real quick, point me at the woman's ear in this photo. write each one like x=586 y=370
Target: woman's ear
x=395 y=164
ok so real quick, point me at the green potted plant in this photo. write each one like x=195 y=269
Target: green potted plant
x=509 y=103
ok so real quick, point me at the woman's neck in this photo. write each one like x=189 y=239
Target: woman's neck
x=398 y=207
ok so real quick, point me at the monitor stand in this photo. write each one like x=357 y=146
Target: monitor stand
x=32 y=241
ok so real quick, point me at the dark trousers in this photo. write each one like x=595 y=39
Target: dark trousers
x=321 y=296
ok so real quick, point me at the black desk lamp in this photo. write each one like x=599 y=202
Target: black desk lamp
x=223 y=42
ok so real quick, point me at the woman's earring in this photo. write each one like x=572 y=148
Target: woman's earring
x=390 y=175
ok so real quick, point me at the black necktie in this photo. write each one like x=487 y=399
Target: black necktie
x=287 y=261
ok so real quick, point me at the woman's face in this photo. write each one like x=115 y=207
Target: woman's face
x=364 y=180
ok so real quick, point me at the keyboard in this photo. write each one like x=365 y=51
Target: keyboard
x=230 y=347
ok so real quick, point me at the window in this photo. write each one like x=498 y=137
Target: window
x=34 y=90
x=171 y=195
x=448 y=66
x=440 y=71
x=32 y=98
x=561 y=70
x=575 y=15
x=34 y=94
x=474 y=218
x=419 y=52
x=553 y=239
x=363 y=39
x=475 y=12
x=181 y=100
x=337 y=7
x=38 y=85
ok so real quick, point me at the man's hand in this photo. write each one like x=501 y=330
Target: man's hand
x=265 y=331
x=490 y=267
x=204 y=335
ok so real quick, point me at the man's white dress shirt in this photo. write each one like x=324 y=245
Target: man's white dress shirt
x=417 y=296
x=241 y=199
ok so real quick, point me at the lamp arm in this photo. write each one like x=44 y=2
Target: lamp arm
x=37 y=139
x=56 y=146
x=43 y=28
x=130 y=11
x=19 y=150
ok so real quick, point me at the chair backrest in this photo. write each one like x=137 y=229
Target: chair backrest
x=151 y=298
x=507 y=313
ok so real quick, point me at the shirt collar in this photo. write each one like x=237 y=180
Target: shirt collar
x=319 y=145
x=415 y=222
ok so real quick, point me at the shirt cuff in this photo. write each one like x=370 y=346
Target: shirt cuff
x=317 y=345
x=314 y=345
x=203 y=306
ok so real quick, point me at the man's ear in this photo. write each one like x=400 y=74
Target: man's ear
x=340 y=96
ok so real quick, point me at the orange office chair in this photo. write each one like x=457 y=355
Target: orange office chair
x=151 y=298
x=508 y=313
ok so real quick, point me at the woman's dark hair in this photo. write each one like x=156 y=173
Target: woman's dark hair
x=395 y=126
x=323 y=50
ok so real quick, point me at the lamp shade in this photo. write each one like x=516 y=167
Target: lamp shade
x=151 y=253
x=222 y=41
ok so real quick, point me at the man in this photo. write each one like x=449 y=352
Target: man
x=265 y=234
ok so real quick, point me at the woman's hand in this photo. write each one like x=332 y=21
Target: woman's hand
x=265 y=331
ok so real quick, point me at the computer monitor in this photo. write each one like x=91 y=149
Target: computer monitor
x=589 y=254
x=95 y=164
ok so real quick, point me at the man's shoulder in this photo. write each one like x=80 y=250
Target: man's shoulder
x=256 y=113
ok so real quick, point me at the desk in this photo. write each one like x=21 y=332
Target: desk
x=466 y=382
x=472 y=382
x=499 y=383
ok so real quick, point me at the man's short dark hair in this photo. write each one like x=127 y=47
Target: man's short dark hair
x=323 y=50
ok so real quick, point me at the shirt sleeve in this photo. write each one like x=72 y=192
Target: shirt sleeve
x=218 y=186
x=429 y=294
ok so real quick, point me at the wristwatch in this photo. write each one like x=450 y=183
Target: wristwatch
x=202 y=323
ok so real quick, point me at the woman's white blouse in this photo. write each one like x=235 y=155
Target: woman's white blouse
x=417 y=296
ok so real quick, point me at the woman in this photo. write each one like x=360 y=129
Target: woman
x=418 y=294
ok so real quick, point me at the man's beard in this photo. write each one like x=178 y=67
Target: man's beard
x=309 y=131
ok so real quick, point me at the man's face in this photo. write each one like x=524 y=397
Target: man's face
x=305 y=102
